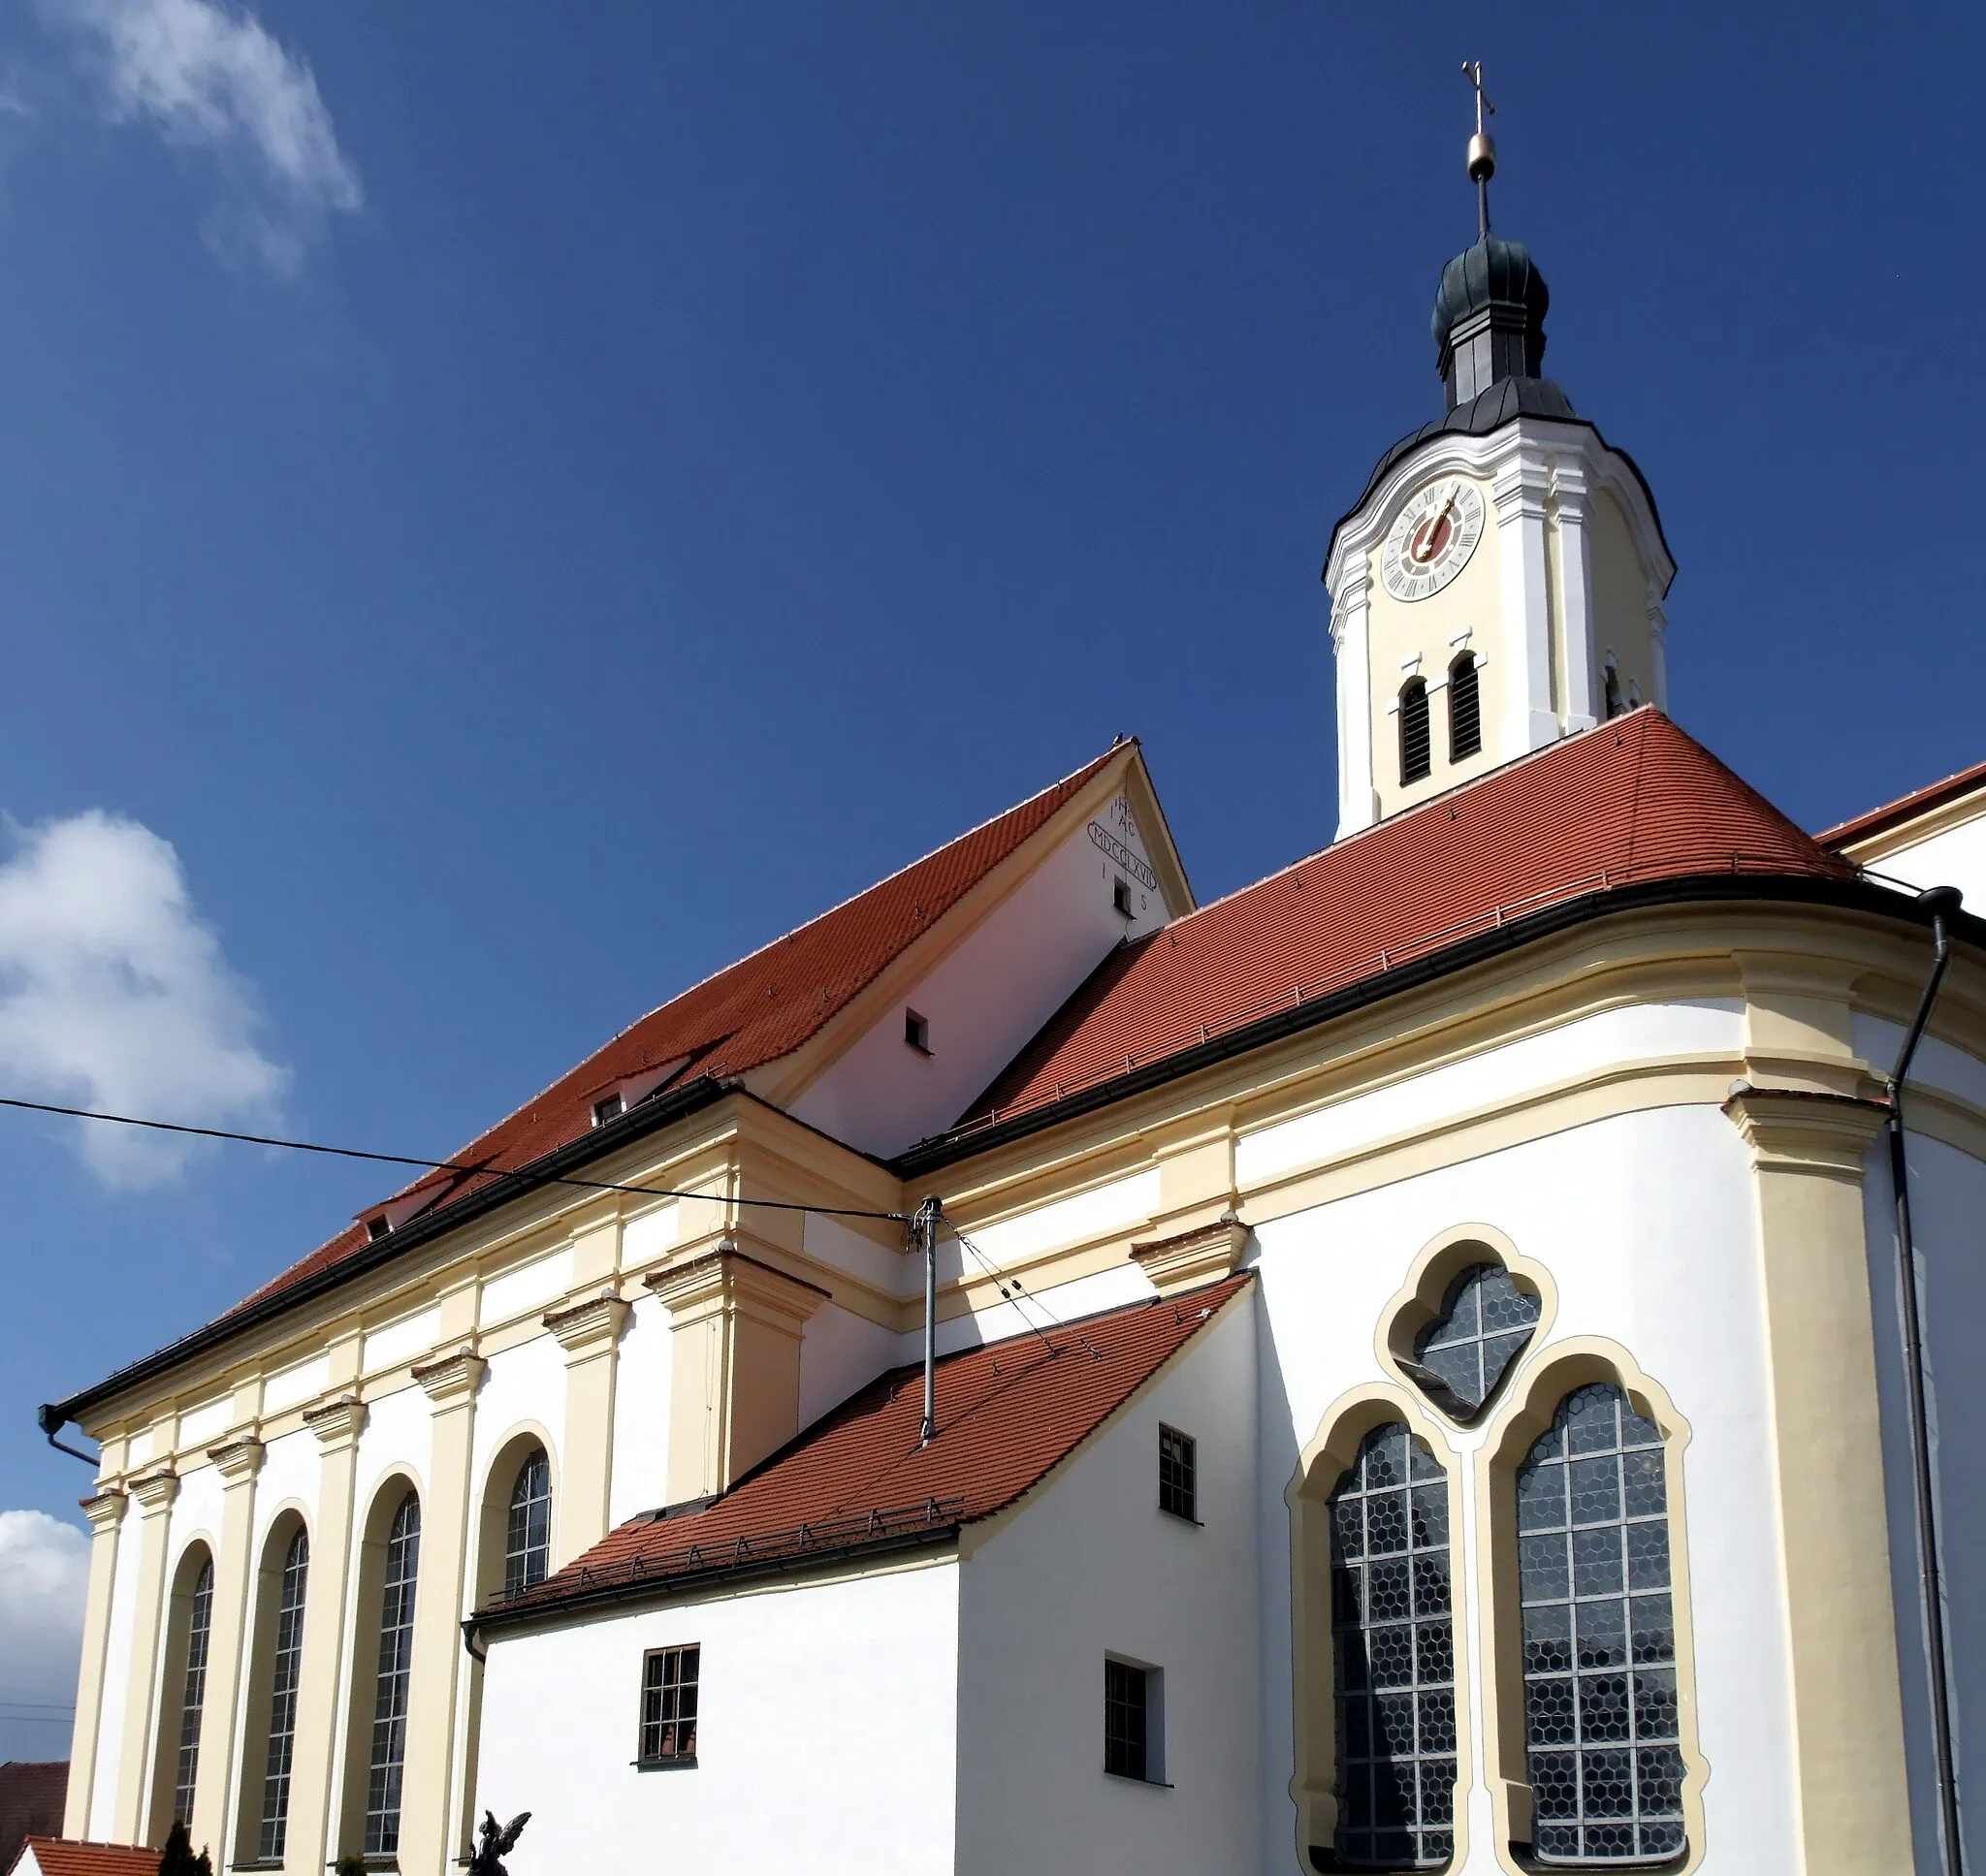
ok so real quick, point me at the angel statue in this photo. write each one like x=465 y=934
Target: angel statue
x=497 y=1842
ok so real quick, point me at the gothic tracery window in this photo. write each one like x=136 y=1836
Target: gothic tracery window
x=1599 y=1637
x=528 y=1529
x=1485 y=1321
x=1393 y=1653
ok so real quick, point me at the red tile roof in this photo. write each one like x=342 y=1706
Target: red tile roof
x=1921 y=800
x=752 y=1012
x=1631 y=801
x=66 y=1857
x=1008 y=1412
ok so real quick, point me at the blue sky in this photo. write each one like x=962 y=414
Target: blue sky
x=497 y=520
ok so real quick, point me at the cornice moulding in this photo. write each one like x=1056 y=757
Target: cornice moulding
x=154 y=1490
x=1796 y=1130
x=336 y=1421
x=453 y=1377
x=238 y=1459
x=583 y=1328
x=1190 y=1259
x=727 y=1278
x=106 y=1511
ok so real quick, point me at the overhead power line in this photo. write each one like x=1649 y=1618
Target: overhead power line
x=437 y=1166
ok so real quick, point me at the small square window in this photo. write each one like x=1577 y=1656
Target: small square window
x=609 y=1107
x=1120 y=896
x=1132 y=1722
x=1178 y=1474
x=668 y=1706
x=376 y=1229
x=917 y=1032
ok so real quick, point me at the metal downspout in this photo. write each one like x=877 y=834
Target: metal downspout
x=1943 y=902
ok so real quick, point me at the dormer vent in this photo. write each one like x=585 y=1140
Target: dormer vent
x=377 y=1227
x=609 y=1107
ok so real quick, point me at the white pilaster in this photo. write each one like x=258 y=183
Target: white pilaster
x=1571 y=503
x=1349 y=623
x=1519 y=491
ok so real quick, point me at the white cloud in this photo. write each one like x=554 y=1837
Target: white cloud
x=114 y=995
x=208 y=77
x=43 y=1579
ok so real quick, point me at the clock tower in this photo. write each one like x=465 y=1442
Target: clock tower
x=1500 y=583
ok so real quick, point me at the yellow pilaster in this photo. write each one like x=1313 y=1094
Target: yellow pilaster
x=1806 y=1154
x=734 y=1375
x=155 y=1492
x=238 y=1461
x=590 y=1333
x=308 y=1847
x=106 y=1515
x=450 y=1382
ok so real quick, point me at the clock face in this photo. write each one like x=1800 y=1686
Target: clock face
x=1432 y=538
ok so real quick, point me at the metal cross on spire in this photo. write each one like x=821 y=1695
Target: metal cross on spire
x=1481 y=147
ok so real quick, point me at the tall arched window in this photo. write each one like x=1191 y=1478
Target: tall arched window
x=1465 y=709
x=193 y=1691
x=1416 y=744
x=285 y=1667
x=527 y=1532
x=396 y=1667
x=1393 y=1648
x=1599 y=1635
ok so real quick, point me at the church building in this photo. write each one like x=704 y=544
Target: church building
x=1446 y=1359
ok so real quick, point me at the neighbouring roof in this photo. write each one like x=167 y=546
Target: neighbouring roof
x=32 y=1794
x=1631 y=801
x=1895 y=813
x=66 y=1857
x=756 y=1010
x=1008 y=1414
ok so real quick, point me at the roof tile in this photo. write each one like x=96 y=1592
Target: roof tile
x=68 y=1857
x=1630 y=801
x=1008 y=1412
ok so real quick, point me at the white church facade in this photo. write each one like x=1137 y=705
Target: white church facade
x=1423 y=1377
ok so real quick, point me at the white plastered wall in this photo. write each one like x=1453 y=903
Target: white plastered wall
x=824 y=1736
x=1090 y=1566
x=1956 y=856
x=1646 y=1224
x=989 y=995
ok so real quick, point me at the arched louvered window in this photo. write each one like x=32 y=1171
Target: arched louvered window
x=1393 y=1648
x=390 y=1687
x=193 y=1694
x=285 y=1665
x=1465 y=709
x=528 y=1532
x=1417 y=759
x=1599 y=1637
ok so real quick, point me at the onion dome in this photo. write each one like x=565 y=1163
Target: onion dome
x=1488 y=320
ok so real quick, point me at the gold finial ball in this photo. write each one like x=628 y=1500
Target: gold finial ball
x=1481 y=157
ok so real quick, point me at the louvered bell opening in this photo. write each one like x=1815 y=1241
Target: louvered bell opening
x=1415 y=749
x=1464 y=709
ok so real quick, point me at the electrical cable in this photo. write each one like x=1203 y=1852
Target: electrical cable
x=441 y=1165
x=1004 y=1276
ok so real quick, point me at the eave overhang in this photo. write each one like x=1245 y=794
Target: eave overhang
x=1698 y=889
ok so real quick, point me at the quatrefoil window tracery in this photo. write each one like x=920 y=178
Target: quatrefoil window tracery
x=1485 y=1322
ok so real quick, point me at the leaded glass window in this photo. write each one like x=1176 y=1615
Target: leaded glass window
x=1599 y=1637
x=527 y=1538
x=283 y=1700
x=1485 y=1321
x=1393 y=1649
x=396 y=1667
x=193 y=1696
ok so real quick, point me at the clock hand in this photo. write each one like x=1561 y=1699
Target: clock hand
x=1433 y=527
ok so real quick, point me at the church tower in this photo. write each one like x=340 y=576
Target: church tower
x=1500 y=583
